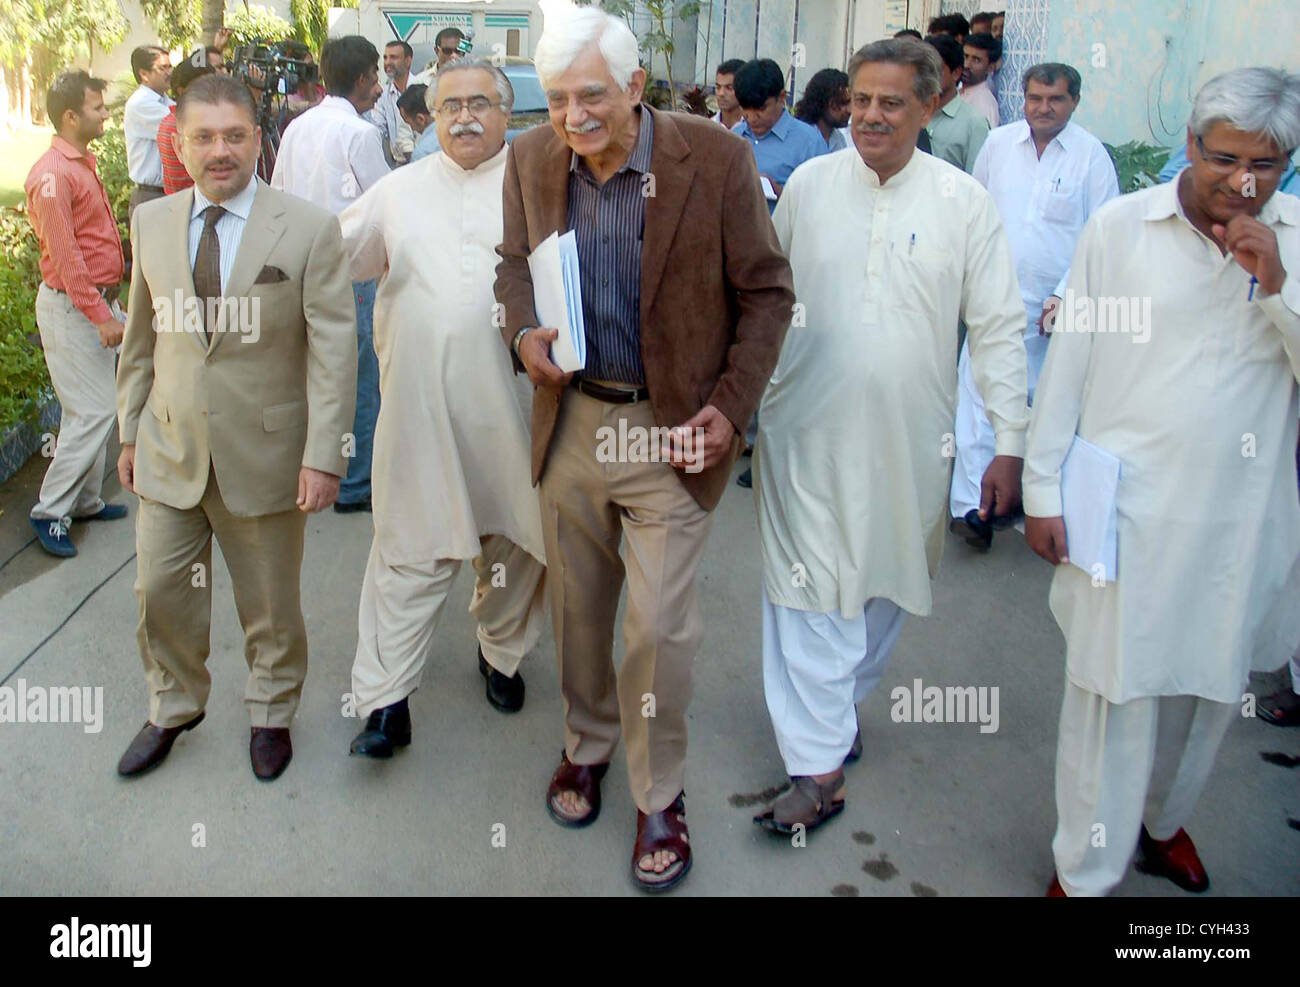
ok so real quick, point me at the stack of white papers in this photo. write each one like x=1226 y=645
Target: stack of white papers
x=1089 y=482
x=557 y=298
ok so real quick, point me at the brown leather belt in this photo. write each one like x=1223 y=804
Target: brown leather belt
x=612 y=395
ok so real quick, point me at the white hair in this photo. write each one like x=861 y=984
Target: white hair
x=1253 y=100
x=504 y=88
x=568 y=30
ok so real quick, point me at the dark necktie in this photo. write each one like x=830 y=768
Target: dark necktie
x=207 y=264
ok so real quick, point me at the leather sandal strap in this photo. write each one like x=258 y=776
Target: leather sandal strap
x=581 y=778
x=665 y=830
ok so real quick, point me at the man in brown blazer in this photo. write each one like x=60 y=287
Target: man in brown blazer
x=686 y=299
x=235 y=392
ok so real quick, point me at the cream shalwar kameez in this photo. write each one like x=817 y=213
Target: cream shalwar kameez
x=855 y=429
x=451 y=462
x=1202 y=417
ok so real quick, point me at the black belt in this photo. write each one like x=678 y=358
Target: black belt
x=612 y=395
x=108 y=292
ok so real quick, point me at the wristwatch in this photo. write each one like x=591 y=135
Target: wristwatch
x=519 y=338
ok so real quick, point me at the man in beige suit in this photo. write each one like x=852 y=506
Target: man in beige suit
x=235 y=392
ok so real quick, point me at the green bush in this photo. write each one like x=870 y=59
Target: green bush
x=24 y=382
x=1137 y=165
x=110 y=161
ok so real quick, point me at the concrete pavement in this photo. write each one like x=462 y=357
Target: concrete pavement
x=932 y=808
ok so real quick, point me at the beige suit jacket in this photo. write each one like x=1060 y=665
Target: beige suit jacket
x=273 y=390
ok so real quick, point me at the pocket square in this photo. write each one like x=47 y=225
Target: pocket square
x=271 y=275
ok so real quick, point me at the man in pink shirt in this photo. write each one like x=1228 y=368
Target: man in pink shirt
x=76 y=308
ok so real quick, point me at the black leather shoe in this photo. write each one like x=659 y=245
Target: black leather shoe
x=978 y=534
x=270 y=751
x=505 y=694
x=150 y=746
x=386 y=728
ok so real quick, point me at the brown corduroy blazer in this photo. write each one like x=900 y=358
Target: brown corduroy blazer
x=716 y=291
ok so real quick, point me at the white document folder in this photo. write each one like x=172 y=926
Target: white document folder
x=1089 y=483
x=557 y=298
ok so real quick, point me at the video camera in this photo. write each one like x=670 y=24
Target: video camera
x=275 y=67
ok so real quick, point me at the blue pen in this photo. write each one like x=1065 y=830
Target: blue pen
x=1058 y=185
x=1250 y=295
x=911 y=244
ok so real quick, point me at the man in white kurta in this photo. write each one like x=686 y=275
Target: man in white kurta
x=1047 y=175
x=855 y=427
x=1200 y=408
x=451 y=463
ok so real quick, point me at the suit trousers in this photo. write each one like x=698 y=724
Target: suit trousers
x=401 y=605
x=82 y=373
x=588 y=508
x=174 y=586
x=1122 y=765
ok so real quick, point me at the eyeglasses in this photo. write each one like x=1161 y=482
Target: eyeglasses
x=454 y=49
x=1226 y=164
x=478 y=105
x=233 y=138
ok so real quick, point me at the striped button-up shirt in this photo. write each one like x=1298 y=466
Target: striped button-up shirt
x=609 y=222
x=69 y=210
x=229 y=228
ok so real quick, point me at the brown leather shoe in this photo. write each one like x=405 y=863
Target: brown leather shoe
x=1174 y=858
x=150 y=746
x=270 y=750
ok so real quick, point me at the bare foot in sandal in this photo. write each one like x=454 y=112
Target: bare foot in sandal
x=810 y=802
x=573 y=797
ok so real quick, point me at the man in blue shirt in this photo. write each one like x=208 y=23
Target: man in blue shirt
x=781 y=143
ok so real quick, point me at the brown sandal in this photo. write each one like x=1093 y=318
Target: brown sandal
x=806 y=804
x=581 y=778
x=665 y=830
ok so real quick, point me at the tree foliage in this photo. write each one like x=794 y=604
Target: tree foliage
x=176 y=21
x=252 y=22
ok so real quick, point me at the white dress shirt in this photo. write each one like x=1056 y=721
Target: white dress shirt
x=330 y=155
x=229 y=228
x=1045 y=201
x=850 y=473
x=1200 y=408
x=392 y=128
x=144 y=110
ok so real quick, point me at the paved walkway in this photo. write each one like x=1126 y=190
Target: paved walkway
x=932 y=808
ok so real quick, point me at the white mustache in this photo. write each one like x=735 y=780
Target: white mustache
x=586 y=128
x=473 y=127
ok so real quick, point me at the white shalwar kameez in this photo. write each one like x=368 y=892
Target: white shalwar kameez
x=1201 y=414
x=852 y=466
x=451 y=476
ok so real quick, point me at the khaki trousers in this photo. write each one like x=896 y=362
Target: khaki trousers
x=588 y=508
x=174 y=585
x=401 y=605
x=82 y=373
x=1120 y=766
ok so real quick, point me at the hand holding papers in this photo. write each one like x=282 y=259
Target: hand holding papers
x=1089 y=482
x=557 y=298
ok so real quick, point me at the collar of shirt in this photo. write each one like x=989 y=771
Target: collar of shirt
x=1067 y=138
x=781 y=129
x=638 y=160
x=241 y=203
x=895 y=181
x=953 y=106
x=70 y=152
x=485 y=165
x=146 y=93
x=1166 y=203
x=337 y=104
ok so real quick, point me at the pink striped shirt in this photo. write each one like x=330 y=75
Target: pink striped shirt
x=69 y=210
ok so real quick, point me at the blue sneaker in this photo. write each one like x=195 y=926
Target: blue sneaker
x=109 y=512
x=52 y=533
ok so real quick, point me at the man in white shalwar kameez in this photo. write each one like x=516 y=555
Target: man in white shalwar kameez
x=889 y=249
x=1200 y=409
x=1048 y=176
x=451 y=464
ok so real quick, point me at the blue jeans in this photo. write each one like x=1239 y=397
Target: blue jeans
x=356 y=487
